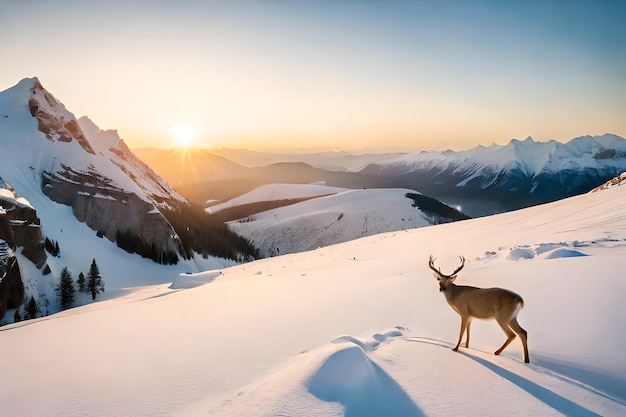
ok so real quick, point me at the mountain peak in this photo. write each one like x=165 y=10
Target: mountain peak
x=29 y=83
x=528 y=140
x=55 y=121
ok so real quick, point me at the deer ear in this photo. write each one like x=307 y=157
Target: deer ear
x=437 y=277
x=452 y=278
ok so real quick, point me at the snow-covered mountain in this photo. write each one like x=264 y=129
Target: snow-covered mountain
x=354 y=329
x=62 y=178
x=336 y=215
x=552 y=170
x=74 y=163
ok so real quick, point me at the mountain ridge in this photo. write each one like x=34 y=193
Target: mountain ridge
x=551 y=170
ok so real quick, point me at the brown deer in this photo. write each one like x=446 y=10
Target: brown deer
x=482 y=303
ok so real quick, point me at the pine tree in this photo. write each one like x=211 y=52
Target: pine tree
x=95 y=284
x=32 y=308
x=65 y=289
x=82 y=284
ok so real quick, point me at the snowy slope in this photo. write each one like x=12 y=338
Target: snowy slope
x=342 y=216
x=355 y=329
x=274 y=192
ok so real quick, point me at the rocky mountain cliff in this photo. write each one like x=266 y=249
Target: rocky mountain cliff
x=19 y=228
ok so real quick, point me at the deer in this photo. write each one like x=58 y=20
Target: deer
x=482 y=303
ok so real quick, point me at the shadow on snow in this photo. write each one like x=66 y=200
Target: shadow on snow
x=361 y=386
x=559 y=403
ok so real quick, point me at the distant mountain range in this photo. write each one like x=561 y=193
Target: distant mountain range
x=548 y=170
x=480 y=181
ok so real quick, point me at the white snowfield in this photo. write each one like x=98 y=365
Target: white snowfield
x=336 y=217
x=275 y=192
x=354 y=329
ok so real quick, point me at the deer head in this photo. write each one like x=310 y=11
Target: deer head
x=444 y=280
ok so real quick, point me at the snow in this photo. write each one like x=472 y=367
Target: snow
x=354 y=329
x=339 y=217
x=275 y=192
x=529 y=156
x=190 y=280
x=8 y=194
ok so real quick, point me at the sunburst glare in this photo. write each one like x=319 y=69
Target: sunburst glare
x=184 y=134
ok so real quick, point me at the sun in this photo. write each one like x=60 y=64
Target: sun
x=184 y=134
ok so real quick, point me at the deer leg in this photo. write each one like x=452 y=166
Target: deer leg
x=510 y=335
x=523 y=335
x=464 y=322
x=467 y=334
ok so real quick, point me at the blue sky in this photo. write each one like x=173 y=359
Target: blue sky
x=343 y=74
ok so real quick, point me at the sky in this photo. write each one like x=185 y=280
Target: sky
x=320 y=74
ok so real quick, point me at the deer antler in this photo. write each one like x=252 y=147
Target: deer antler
x=431 y=265
x=460 y=266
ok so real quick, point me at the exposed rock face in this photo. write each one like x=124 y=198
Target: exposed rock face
x=156 y=189
x=11 y=286
x=6 y=232
x=54 y=120
x=614 y=182
x=19 y=227
x=110 y=210
x=24 y=230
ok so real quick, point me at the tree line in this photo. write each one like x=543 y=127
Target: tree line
x=207 y=235
x=199 y=232
x=133 y=243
